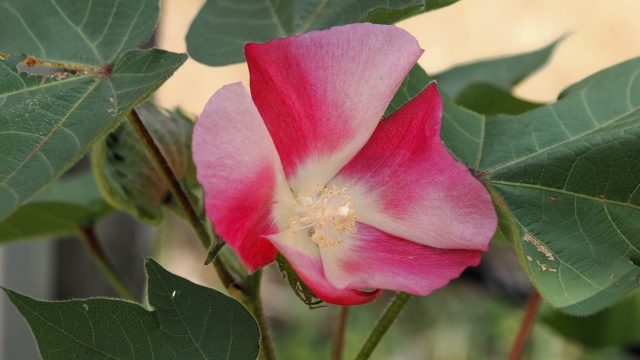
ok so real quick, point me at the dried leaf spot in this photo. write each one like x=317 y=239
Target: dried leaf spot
x=539 y=246
x=545 y=267
x=553 y=198
x=601 y=196
x=31 y=61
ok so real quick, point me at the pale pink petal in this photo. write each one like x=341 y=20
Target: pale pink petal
x=322 y=94
x=374 y=259
x=239 y=169
x=304 y=257
x=405 y=183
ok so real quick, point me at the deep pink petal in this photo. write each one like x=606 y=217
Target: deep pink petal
x=405 y=183
x=305 y=260
x=239 y=169
x=374 y=259
x=322 y=94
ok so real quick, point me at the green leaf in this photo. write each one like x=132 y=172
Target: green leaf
x=570 y=175
x=126 y=173
x=88 y=33
x=46 y=219
x=221 y=28
x=386 y=15
x=60 y=210
x=48 y=121
x=617 y=326
x=489 y=99
x=567 y=177
x=188 y=321
x=78 y=189
x=504 y=72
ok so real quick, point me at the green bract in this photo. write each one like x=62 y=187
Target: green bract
x=125 y=172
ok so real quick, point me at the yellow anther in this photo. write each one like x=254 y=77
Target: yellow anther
x=328 y=213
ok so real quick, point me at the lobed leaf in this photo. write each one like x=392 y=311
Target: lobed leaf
x=222 y=27
x=91 y=78
x=566 y=181
x=569 y=173
x=87 y=33
x=188 y=321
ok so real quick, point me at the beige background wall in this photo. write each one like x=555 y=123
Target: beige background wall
x=600 y=35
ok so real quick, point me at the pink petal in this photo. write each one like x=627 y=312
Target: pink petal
x=239 y=169
x=304 y=257
x=322 y=94
x=374 y=259
x=405 y=183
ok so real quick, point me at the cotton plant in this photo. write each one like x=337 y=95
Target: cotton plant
x=344 y=163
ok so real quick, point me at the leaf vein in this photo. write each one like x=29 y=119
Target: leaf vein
x=86 y=14
x=84 y=37
x=24 y=23
x=106 y=26
x=483 y=122
x=564 y=192
x=46 y=138
x=276 y=18
x=587 y=108
x=618 y=230
x=314 y=16
x=592 y=130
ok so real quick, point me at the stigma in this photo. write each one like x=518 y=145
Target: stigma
x=327 y=214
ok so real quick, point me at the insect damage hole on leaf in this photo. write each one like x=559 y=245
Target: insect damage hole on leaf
x=48 y=69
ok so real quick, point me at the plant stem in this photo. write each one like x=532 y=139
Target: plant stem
x=393 y=310
x=88 y=236
x=338 y=339
x=528 y=319
x=254 y=304
x=249 y=292
x=171 y=180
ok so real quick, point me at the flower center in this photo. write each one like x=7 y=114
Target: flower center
x=328 y=215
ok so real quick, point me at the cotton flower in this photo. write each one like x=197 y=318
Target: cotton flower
x=304 y=166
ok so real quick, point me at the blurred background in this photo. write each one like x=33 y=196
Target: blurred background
x=476 y=317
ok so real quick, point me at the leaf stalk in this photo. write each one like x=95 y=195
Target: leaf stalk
x=338 y=339
x=88 y=236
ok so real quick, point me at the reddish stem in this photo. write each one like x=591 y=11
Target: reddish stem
x=526 y=325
